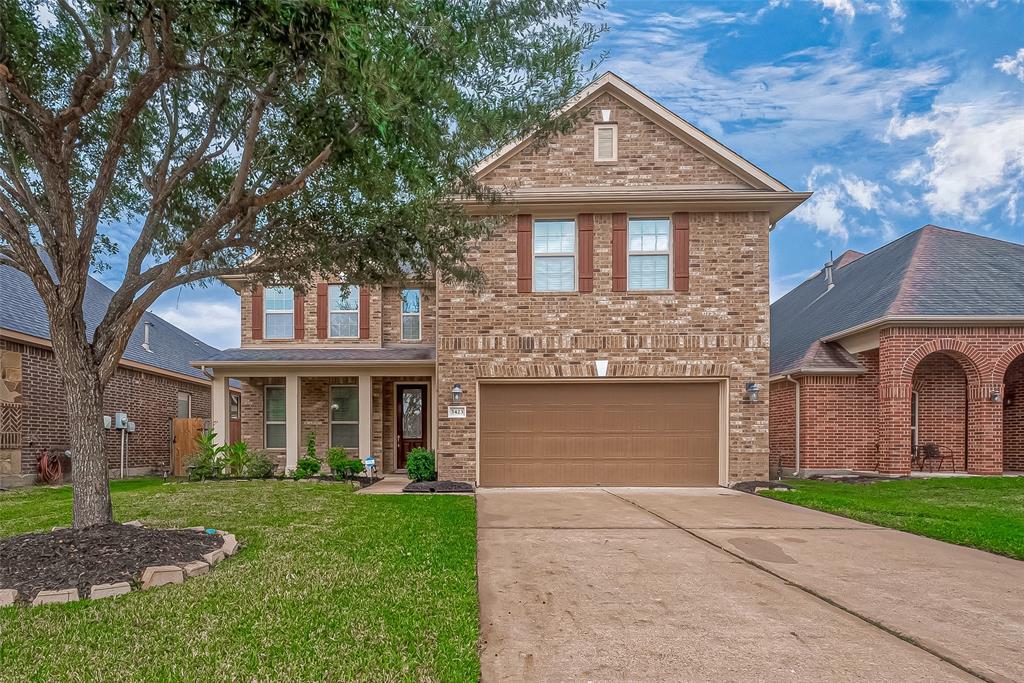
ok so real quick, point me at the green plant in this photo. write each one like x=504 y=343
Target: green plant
x=237 y=457
x=336 y=458
x=311 y=445
x=307 y=467
x=420 y=465
x=205 y=464
x=354 y=467
x=261 y=465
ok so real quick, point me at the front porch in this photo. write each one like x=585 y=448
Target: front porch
x=376 y=409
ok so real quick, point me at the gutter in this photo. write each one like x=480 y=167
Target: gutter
x=796 y=446
x=927 y=320
x=800 y=372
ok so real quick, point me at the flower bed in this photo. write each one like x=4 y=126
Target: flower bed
x=101 y=561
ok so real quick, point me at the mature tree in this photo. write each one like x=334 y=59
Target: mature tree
x=323 y=135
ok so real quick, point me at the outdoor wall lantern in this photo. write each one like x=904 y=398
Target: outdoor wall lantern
x=457 y=394
x=996 y=398
x=753 y=388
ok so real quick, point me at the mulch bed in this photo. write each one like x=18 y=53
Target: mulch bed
x=752 y=486
x=438 y=487
x=105 y=553
x=853 y=478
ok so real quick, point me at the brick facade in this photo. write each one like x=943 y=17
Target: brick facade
x=863 y=421
x=150 y=400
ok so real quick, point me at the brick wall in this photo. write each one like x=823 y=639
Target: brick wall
x=149 y=399
x=1013 y=417
x=782 y=424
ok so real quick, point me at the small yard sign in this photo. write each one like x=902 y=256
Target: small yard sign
x=457 y=411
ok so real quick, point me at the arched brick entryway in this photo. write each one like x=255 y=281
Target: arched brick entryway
x=1013 y=415
x=940 y=396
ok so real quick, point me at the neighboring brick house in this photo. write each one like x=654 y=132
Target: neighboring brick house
x=619 y=336
x=919 y=342
x=153 y=385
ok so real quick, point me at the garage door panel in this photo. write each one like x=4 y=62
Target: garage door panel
x=639 y=434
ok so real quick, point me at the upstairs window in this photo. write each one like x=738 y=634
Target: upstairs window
x=648 y=253
x=554 y=256
x=410 y=315
x=606 y=142
x=279 y=312
x=343 y=305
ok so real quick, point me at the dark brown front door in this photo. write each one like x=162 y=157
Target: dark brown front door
x=412 y=420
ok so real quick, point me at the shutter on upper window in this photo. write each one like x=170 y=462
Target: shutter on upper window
x=300 y=315
x=524 y=253
x=321 y=310
x=681 y=252
x=619 y=265
x=585 y=247
x=257 y=312
x=364 y=313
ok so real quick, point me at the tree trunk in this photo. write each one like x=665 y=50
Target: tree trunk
x=83 y=392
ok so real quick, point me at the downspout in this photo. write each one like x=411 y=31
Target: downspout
x=796 y=446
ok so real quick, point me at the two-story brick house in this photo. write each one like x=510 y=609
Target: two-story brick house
x=620 y=337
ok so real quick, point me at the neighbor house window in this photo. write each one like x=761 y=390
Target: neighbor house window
x=344 y=311
x=410 y=314
x=344 y=416
x=648 y=253
x=184 y=404
x=274 y=415
x=554 y=256
x=606 y=143
x=279 y=312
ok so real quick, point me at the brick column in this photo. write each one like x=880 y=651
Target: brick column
x=893 y=426
x=984 y=428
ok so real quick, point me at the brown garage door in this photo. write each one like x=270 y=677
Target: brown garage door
x=593 y=433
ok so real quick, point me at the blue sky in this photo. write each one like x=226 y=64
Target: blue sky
x=896 y=114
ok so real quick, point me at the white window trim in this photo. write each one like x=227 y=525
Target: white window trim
x=404 y=315
x=178 y=402
x=614 y=128
x=331 y=311
x=574 y=254
x=267 y=313
x=667 y=252
x=331 y=421
x=267 y=422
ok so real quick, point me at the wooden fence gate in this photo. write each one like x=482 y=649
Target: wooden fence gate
x=184 y=431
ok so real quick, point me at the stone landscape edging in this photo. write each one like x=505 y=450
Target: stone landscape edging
x=151 y=577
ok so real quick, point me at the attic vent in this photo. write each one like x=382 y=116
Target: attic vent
x=606 y=143
x=145 y=336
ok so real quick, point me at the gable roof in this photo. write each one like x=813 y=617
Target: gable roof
x=23 y=311
x=667 y=119
x=931 y=274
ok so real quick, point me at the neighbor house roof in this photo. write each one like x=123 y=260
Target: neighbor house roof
x=172 y=349
x=284 y=356
x=932 y=274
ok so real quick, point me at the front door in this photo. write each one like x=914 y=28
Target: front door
x=412 y=420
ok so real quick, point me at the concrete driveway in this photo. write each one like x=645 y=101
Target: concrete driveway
x=712 y=584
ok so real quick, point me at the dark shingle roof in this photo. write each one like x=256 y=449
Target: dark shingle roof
x=388 y=353
x=932 y=271
x=21 y=310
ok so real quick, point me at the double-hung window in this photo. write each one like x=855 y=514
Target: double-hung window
x=345 y=416
x=554 y=256
x=279 y=312
x=344 y=311
x=274 y=416
x=184 y=404
x=649 y=253
x=410 y=315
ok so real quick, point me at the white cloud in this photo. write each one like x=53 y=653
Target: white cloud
x=1012 y=65
x=864 y=193
x=896 y=13
x=975 y=161
x=840 y=8
x=217 y=324
x=835 y=194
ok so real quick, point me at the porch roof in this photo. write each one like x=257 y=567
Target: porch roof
x=327 y=356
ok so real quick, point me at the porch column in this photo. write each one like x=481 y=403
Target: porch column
x=220 y=410
x=985 y=428
x=365 y=416
x=293 y=428
x=894 y=398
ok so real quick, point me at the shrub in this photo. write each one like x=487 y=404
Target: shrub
x=311 y=445
x=261 y=465
x=205 y=463
x=237 y=458
x=354 y=467
x=336 y=458
x=420 y=465
x=307 y=467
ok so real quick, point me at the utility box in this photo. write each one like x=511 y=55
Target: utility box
x=107 y=422
x=120 y=420
x=131 y=427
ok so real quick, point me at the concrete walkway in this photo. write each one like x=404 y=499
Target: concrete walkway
x=712 y=584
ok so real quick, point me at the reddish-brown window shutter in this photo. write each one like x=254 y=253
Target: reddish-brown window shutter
x=681 y=252
x=321 y=310
x=585 y=228
x=364 y=313
x=300 y=315
x=257 y=312
x=524 y=253
x=619 y=265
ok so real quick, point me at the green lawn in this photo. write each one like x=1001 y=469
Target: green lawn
x=981 y=512
x=329 y=586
